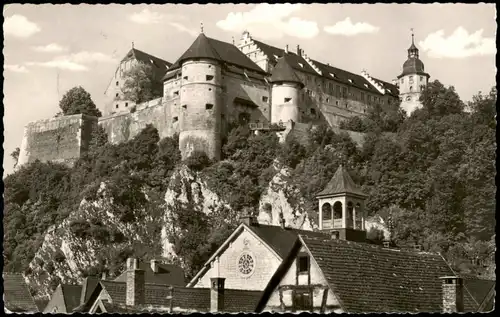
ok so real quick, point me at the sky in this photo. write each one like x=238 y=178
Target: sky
x=48 y=49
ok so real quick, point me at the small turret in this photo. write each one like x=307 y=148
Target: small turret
x=286 y=86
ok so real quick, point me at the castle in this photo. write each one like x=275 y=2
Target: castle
x=215 y=83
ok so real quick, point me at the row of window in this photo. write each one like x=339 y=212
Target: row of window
x=410 y=79
x=326 y=210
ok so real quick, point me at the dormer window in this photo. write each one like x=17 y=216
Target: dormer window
x=366 y=85
x=301 y=65
x=333 y=75
x=288 y=99
x=275 y=56
x=350 y=80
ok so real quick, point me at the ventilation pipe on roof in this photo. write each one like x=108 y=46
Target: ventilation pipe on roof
x=286 y=49
x=299 y=51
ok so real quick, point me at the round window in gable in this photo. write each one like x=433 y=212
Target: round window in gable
x=246 y=264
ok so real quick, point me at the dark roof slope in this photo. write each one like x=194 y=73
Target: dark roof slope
x=391 y=89
x=147 y=58
x=168 y=274
x=369 y=278
x=17 y=297
x=88 y=286
x=205 y=47
x=279 y=239
x=413 y=65
x=341 y=183
x=479 y=289
x=71 y=294
x=283 y=72
x=184 y=298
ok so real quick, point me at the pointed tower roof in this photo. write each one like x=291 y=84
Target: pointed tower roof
x=283 y=72
x=341 y=183
x=201 y=48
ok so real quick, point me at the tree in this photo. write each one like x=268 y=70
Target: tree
x=141 y=84
x=78 y=101
x=15 y=156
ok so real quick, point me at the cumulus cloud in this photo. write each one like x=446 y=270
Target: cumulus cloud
x=75 y=62
x=347 y=28
x=146 y=17
x=459 y=44
x=183 y=28
x=19 y=26
x=50 y=48
x=270 y=21
x=16 y=68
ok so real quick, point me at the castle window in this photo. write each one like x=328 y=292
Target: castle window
x=313 y=112
x=126 y=104
x=330 y=87
x=176 y=93
x=175 y=119
x=303 y=265
x=402 y=80
x=184 y=106
x=185 y=78
x=327 y=99
x=288 y=99
x=209 y=106
x=336 y=102
x=116 y=106
x=338 y=91
x=408 y=98
x=209 y=89
x=117 y=83
x=421 y=78
x=363 y=97
x=344 y=92
x=209 y=66
x=411 y=88
x=209 y=77
x=116 y=95
x=264 y=98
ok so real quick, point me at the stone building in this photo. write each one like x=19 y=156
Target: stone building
x=214 y=83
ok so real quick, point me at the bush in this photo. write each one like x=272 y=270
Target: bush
x=198 y=161
x=50 y=267
x=59 y=256
x=80 y=228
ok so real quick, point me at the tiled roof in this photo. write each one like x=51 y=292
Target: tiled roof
x=340 y=183
x=369 y=278
x=299 y=63
x=281 y=240
x=17 y=297
x=205 y=47
x=71 y=294
x=88 y=286
x=413 y=65
x=283 y=72
x=390 y=88
x=479 y=290
x=184 y=298
x=168 y=274
x=148 y=58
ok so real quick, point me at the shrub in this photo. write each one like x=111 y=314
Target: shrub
x=59 y=256
x=198 y=161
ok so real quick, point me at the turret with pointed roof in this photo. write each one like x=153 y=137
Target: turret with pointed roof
x=341 y=207
x=283 y=72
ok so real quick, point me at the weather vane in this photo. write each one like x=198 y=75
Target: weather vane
x=132 y=44
x=201 y=27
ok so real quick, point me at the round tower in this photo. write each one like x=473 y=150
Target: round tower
x=285 y=92
x=200 y=100
x=412 y=80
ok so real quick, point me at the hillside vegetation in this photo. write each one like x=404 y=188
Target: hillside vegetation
x=433 y=172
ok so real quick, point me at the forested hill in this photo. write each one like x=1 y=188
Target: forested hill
x=434 y=172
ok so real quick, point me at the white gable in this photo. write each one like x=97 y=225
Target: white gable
x=246 y=262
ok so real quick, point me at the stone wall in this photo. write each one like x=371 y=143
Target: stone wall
x=124 y=126
x=61 y=139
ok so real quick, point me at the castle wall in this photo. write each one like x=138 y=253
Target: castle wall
x=61 y=139
x=254 y=90
x=114 y=100
x=124 y=126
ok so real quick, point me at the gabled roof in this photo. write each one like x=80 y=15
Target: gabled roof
x=283 y=72
x=88 y=286
x=184 y=298
x=71 y=295
x=341 y=183
x=167 y=274
x=205 y=47
x=390 y=88
x=17 y=297
x=479 y=289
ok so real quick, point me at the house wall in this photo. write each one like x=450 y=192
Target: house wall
x=114 y=100
x=56 y=303
x=290 y=278
x=61 y=139
x=266 y=263
x=103 y=296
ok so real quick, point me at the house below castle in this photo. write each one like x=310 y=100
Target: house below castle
x=214 y=83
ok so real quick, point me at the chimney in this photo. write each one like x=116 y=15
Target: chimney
x=217 y=294
x=286 y=49
x=417 y=247
x=282 y=220
x=135 y=293
x=84 y=290
x=299 y=51
x=103 y=276
x=154 y=265
x=247 y=217
x=453 y=294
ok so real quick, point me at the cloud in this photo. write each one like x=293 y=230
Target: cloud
x=19 y=26
x=146 y=17
x=459 y=44
x=75 y=62
x=50 y=48
x=182 y=28
x=269 y=21
x=16 y=68
x=347 y=28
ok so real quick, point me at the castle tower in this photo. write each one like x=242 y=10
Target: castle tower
x=200 y=100
x=342 y=208
x=285 y=91
x=412 y=80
